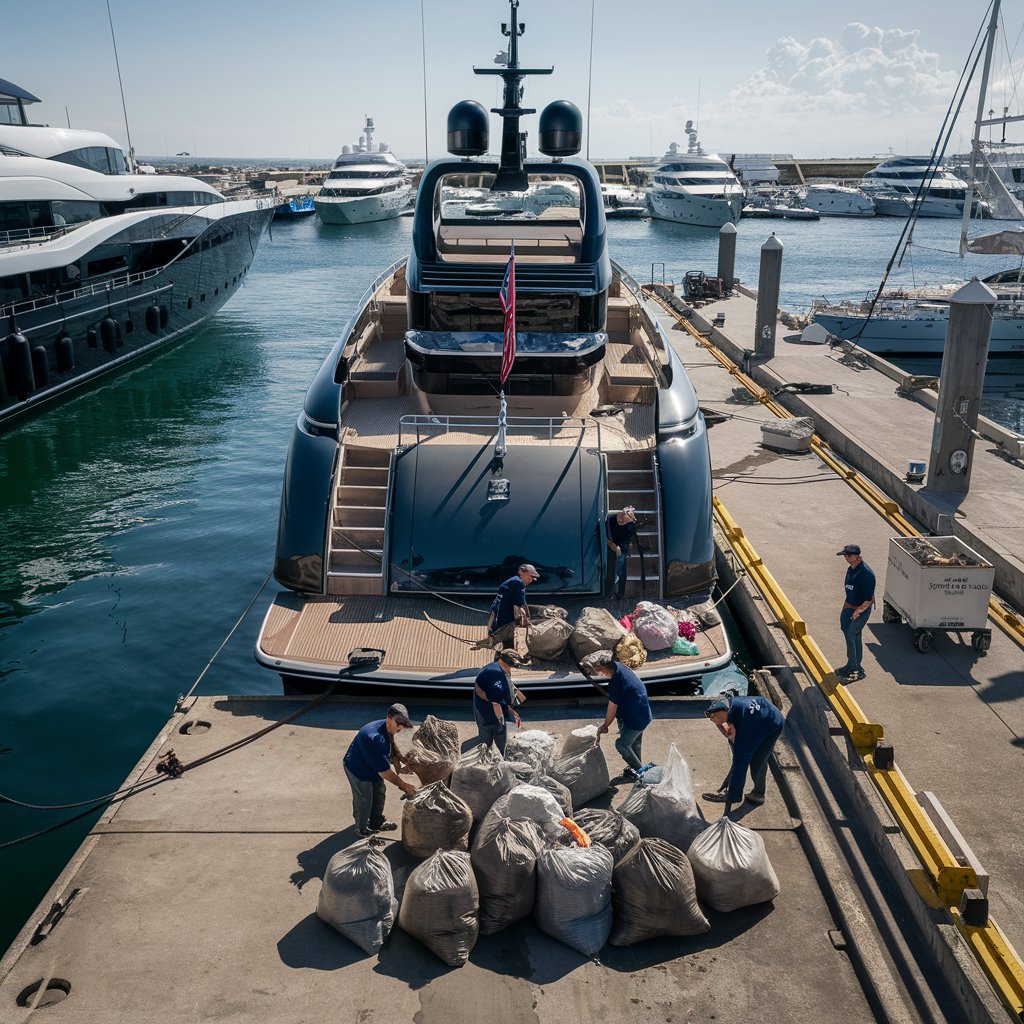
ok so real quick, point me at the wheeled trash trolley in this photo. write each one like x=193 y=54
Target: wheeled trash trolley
x=938 y=583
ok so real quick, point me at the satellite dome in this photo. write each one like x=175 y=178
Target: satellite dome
x=468 y=129
x=561 y=129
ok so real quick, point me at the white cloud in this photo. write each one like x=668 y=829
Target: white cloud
x=845 y=95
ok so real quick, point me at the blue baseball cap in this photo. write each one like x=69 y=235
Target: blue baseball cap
x=714 y=706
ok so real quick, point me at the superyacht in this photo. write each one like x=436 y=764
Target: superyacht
x=99 y=265
x=366 y=183
x=446 y=441
x=695 y=187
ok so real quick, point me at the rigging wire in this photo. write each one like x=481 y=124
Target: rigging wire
x=904 y=240
x=124 y=106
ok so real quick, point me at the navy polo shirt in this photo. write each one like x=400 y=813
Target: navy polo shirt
x=498 y=690
x=511 y=593
x=369 y=754
x=626 y=689
x=755 y=719
x=860 y=584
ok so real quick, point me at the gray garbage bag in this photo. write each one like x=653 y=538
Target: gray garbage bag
x=505 y=860
x=653 y=895
x=547 y=638
x=522 y=770
x=532 y=746
x=432 y=751
x=557 y=790
x=596 y=630
x=441 y=906
x=666 y=809
x=529 y=803
x=480 y=777
x=610 y=829
x=358 y=896
x=584 y=774
x=434 y=818
x=574 y=888
x=731 y=867
x=579 y=739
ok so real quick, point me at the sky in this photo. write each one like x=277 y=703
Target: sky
x=268 y=79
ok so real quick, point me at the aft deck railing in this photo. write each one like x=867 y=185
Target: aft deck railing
x=102 y=287
x=432 y=425
x=25 y=238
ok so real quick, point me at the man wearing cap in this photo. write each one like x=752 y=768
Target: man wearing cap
x=495 y=697
x=752 y=725
x=859 y=600
x=368 y=766
x=509 y=607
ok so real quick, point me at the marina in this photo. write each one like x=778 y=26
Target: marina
x=428 y=452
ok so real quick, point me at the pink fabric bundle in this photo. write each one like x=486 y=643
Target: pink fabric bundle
x=687 y=630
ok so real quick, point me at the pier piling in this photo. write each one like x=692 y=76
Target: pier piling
x=727 y=255
x=768 y=284
x=960 y=383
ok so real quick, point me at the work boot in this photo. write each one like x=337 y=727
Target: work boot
x=753 y=797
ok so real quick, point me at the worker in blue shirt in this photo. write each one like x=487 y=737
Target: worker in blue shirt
x=508 y=609
x=368 y=765
x=627 y=702
x=752 y=725
x=495 y=697
x=859 y=599
x=620 y=532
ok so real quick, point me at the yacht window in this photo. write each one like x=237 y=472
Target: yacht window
x=22 y=216
x=13 y=289
x=107 y=260
x=95 y=158
x=75 y=211
x=391 y=172
x=10 y=113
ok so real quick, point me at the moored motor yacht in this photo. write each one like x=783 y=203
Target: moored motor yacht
x=99 y=265
x=834 y=200
x=694 y=187
x=366 y=183
x=412 y=489
x=895 y=185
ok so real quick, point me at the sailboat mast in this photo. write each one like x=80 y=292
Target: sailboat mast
x=993 y=26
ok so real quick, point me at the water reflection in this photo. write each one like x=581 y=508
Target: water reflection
x=114 y=459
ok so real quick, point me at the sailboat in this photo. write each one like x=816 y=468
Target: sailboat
x=913 y=322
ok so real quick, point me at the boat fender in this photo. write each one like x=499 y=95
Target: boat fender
x=92 y=339
x=153 y=319
x=41 y=366
x=65 y=349
x=165 y=316
x=21 y=379
x=118 y=333
x=108 y=333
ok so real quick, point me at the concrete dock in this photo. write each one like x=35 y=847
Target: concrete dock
x=194 y=900
x=955 y=717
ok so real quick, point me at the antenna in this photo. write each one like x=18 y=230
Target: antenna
x=423 y=43
x=132 y=166
x=590 y=72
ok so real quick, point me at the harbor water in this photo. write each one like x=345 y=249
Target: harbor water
x=139 y=520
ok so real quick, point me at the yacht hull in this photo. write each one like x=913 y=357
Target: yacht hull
x=362 y=210
x=923 y=335
x=107 y=330
x=697 y=211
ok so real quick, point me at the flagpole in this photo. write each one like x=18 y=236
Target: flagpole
x=500 y=448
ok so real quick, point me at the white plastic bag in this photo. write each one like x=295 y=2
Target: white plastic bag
x=528 y=803
x=731 y=867
x=656 y=627
x=531 y=746
x=579 y=739
x=666 y=809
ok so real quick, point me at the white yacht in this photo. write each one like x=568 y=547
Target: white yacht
x=834 y=200
x=367 y=182
x=99 y=265
x=622 y=202
x=695 y=187
x=893 y=185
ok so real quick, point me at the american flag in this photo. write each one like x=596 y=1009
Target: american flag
x=508 y=304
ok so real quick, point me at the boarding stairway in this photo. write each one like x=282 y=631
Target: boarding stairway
x=355 y=552
x=632 y=480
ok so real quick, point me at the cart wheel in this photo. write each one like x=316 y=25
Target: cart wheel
x=981 y=641
x=889 y=614
x=923 y=640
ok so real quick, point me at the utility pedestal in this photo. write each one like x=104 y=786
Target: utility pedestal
x=727 y=255
x=768 y=283
x=960 y=384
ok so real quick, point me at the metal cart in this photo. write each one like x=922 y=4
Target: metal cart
x=938 y=583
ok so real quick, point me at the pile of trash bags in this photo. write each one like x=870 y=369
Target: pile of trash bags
x=602 y=876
